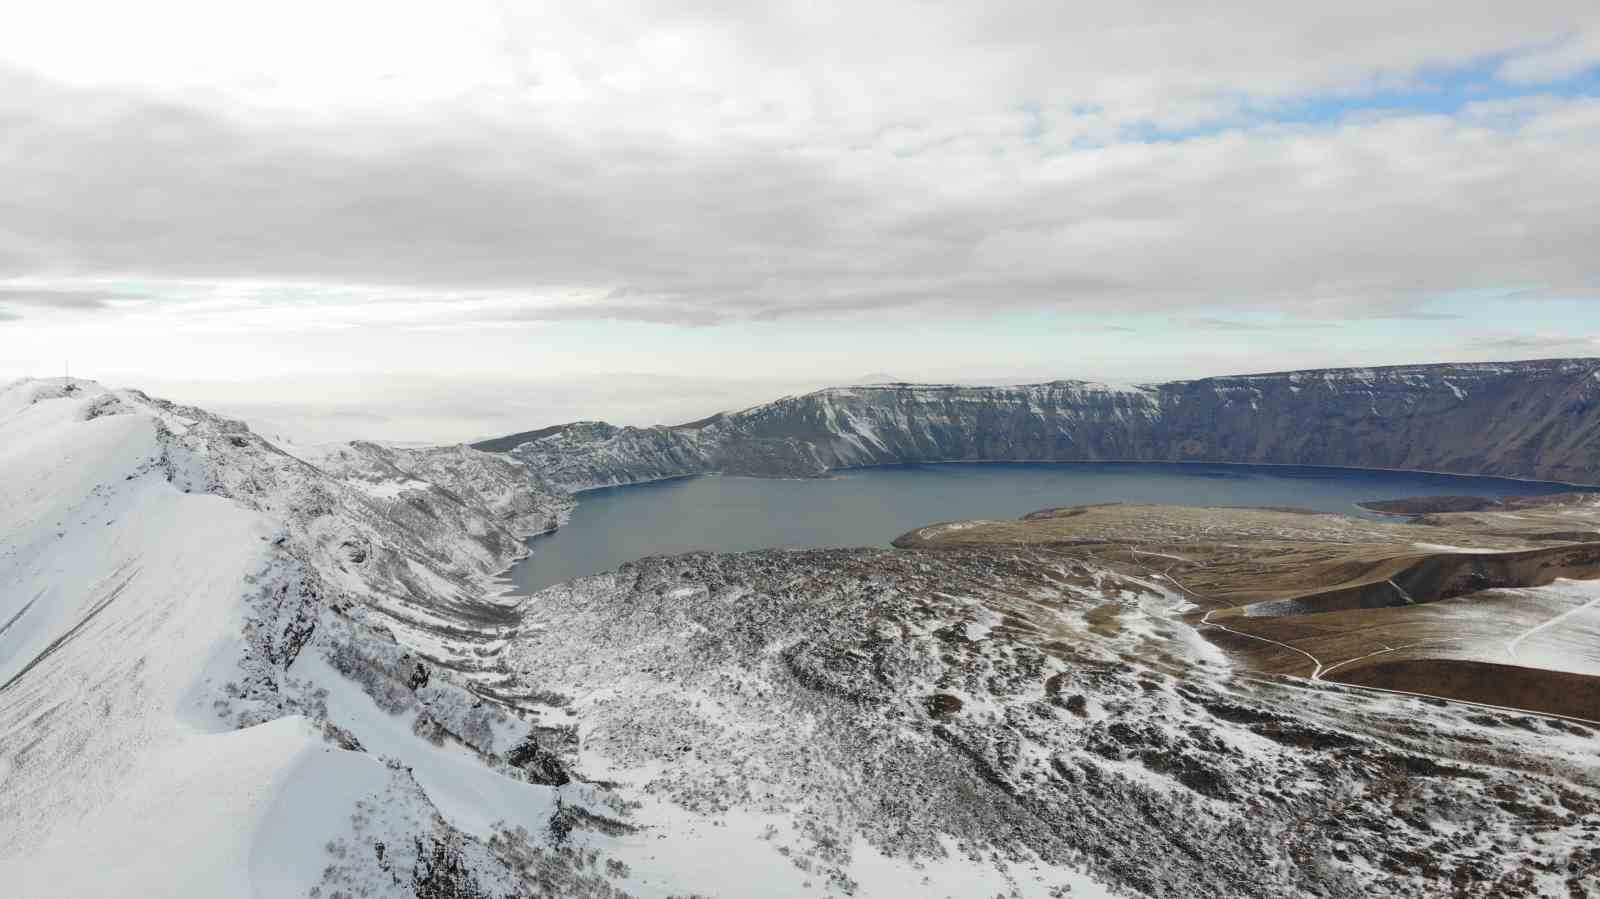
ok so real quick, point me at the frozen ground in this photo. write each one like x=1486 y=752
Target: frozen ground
x=162 y=570
x=1027 y=716
x=230 y=668
x=233 y=670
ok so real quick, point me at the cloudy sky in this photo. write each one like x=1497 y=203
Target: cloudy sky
x=458 y=217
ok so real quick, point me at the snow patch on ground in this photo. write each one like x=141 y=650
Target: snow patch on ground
x=1446 y=548
x=984 y=621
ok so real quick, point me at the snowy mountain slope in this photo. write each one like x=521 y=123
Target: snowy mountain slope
x=121 y=595
x=162 y=571
x=229 y=668
x=1521 y=419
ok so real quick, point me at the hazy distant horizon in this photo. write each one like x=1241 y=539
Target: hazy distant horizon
x=301 y=198
x=408 y=408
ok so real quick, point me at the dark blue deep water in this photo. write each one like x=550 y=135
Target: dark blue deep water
x=872 y=506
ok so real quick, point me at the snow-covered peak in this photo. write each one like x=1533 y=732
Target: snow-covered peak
x=173 y=593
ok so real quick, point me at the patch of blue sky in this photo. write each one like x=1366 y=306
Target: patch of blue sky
x=1437 y=91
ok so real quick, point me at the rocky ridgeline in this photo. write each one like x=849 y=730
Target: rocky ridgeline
x=375 y=544
x=371 y=577
x=1517 y=419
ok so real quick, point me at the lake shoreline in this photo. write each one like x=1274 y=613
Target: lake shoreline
x=734 y=513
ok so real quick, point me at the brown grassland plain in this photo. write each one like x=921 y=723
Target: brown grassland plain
x=1497 y=604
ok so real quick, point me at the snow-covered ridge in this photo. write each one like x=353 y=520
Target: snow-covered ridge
x=1523 y=419
x=228 y=671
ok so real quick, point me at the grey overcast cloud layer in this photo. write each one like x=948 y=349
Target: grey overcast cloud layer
x=1385 y=211
x=294 y=166
x=57 y=298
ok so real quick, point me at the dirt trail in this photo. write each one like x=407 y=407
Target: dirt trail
x=1316 y=663
x=1511 y=645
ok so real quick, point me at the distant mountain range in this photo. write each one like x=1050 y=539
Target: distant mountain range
x=1536 y=419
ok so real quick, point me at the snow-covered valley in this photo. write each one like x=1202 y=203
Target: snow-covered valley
x=229 y=668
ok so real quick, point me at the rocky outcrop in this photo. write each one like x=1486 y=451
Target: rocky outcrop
x=1518 y=419
x=1025 y=705
x=589 y=454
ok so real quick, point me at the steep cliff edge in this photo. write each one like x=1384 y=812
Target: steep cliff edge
x=1538 y=419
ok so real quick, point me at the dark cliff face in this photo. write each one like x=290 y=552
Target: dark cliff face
x=1534 y=420
x=1519 y=419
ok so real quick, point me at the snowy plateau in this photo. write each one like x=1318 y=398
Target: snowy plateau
x=235 y=668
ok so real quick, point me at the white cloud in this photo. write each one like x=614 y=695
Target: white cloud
x=1566 y=57
x=1383 y=211
x=373 y=169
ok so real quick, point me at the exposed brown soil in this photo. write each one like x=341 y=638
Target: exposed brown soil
x=1430 y=606
x=1423 y=505
x=1429 y=577
x=1513 y=686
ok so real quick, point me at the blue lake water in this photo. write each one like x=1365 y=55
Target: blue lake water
x=872 y=506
